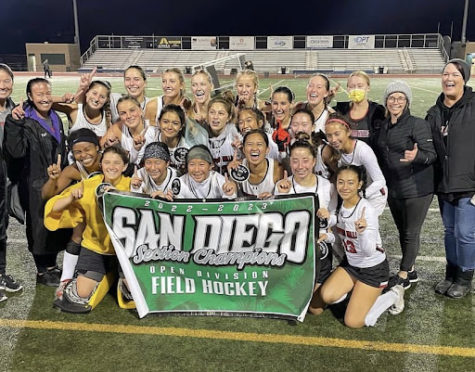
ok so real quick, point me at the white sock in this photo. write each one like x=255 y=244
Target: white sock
x=69 y=265
x=382 y=303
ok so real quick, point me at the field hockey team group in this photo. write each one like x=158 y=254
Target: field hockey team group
x=355 y=157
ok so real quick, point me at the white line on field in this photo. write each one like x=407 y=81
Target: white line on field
x=429 y=210
x=422 y=258
x=425 y=90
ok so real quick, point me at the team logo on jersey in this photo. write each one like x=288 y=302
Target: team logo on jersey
x=324 y=249
x=176 y=186
x=240 y=173
x=216 y=144
x=180 y=154
x=323 y=223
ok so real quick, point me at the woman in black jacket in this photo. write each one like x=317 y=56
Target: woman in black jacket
x=34 y=135
x=7 y=283
x=363 y=115
x=452 y=121
x=406 y=154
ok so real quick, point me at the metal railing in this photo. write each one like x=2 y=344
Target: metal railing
x=299 y=42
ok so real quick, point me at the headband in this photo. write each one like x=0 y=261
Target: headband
x=199 y=153
x=90 y=139
x=155 y=151
x=335 y=120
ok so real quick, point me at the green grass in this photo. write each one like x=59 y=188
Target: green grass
x=428 y=319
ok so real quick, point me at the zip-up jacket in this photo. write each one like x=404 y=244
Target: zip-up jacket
x=406 y=179
x=455 y=166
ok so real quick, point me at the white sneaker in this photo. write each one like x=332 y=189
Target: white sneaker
x=398 y=306
x=3 y=297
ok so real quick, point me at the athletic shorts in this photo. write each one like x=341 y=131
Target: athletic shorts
x=91 y=261
x=375 y=276
x=325 y=262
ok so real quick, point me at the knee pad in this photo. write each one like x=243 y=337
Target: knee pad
x=124 y=297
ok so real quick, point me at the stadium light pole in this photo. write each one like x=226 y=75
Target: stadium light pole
x=464 y=23
x=76 y=23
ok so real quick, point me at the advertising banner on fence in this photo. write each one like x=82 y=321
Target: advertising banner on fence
x=361 y=42
x=203 y=42
x=241 y=42
x=254 y=257
x=318 y=42
x=279 y=42
x=168 y=42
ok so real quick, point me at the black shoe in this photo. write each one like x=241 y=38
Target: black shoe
x=64 y=304
x=462 y=285
x=412 y=276
x=443 y=286
x=9 y=284
x=397 y=280
x=457 y=290
x=50 y=278
x=3 y=297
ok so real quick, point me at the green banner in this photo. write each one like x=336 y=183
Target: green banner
x=253 y=257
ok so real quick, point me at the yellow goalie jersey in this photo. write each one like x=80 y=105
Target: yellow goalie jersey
x=95 y=236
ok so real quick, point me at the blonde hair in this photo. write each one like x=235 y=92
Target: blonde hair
x=205 y=73
x=251 y=73
x=181 y=77
x=360 y=74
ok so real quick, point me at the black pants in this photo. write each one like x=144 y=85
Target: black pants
x=409 y=215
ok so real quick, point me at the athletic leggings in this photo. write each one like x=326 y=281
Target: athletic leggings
x=409 y=215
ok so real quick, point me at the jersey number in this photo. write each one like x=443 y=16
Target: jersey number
x=349 y=246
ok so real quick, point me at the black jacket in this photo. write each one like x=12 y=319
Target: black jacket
x=455 y=167
x=406 y=180
x=371 y=122
x=26 y=140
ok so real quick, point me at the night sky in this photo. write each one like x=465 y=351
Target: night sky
x=52 y=20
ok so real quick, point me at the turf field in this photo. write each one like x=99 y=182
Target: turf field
x=433 y=333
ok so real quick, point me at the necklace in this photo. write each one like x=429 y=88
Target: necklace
x=193 y=190
x=352 y=212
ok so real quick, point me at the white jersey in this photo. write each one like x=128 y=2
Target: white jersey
x=127 y=142
x=273 y=149
x=266 y=185
x=320 y=121
x=221 y=147
x=148 y=184
x=361 y=249
x=159 y=108
x=114 y=98
x=320 y=167
x=376 y=190
x=211 y=188
x=81 y=122
x=174 y=162
x=325 y=191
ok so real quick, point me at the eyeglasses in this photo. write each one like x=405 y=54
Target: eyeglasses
x=400 y=99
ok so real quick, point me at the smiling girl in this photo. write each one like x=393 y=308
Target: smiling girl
x=365 y=270
x=130 y=132
x=97 y=256
x=222 y=132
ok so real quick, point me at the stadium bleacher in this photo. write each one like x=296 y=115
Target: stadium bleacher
x=428 y=59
